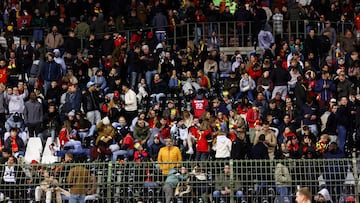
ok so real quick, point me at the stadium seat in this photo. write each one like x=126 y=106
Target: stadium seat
x=48 y=156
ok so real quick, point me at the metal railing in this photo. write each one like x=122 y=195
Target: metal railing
x=247 y=181
x=234 y=33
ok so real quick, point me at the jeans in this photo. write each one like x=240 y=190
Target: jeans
x=341 y=137
x=249 y=94
x=93 y=116
x=149 y=75
x=88 y=133
x=282 y=89
x=282 y=191
x=125 y=153
x=217 y=195
x=135 y=78
x=47 y=85
x=156 y=97
x=77 y=198
x=38 y=35
x=160 y=35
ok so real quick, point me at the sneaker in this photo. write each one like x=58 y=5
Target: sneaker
x=190 y=151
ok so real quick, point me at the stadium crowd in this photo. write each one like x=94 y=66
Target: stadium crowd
x=110 y=97
x=301 y=93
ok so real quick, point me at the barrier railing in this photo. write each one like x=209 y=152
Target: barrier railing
x=213 y=181
x=233 y=33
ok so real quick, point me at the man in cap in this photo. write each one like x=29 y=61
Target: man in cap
x=91 y=103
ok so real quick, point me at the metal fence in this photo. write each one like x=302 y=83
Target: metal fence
x=245 y=181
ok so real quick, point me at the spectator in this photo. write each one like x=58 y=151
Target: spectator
x=270 y=140
x=172 y=179
x=79 y=179
x=169 y=157
x=223 y=188
x=303 y=195
x=15 y=143
x=280 y=77
x=324 y=87
x=91 y=103
x=15 y=100
x=54 y=40
x=33 y=115
x=130 y=102
x=222 y=147
x=24 y=58
x=51 y=71
x=247 y=86
x=159 y=88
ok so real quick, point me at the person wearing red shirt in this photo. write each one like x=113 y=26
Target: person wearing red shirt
x=126 y=148
x=140 y=154
x=3 y=71
x=202 y=136
x=253 y=116
x=199 y=105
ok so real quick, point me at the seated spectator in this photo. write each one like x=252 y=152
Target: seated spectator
x=140 y=154
x=155 y=148
x=124 y=148
x=247 y=86
x=265 y=85
x=159 y=88
x=225 y=67
x=48 y=185
x=15 y=143
x=223 y=188
x=66 y=132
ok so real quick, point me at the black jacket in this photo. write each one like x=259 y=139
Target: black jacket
x=91 y=101
x=280 y=76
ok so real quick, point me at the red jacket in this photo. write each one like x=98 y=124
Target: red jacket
x=202 y=144
x=129 y=141
x=252 y=116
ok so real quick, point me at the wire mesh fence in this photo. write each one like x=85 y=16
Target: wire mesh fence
x=214 y=181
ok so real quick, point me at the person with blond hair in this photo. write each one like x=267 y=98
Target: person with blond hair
x=303 y=195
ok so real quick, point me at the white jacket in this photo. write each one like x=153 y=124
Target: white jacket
x=223 y=147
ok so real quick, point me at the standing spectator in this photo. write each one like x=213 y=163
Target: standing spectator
x=199 y=105
x=72 y=44
x=169 y=154
x=16 y=100
x=277 y=23
x=309 y=114
x=60 y=60
x=344 y=86
x=214 y=42
x=150 y=64
x=332 y=33
x=159 y=21
x=311 y=44
x=99 y=27
x=270 y=139
x=24 y=58
x=325 y=88
x=38 y=23
x=280 y=78
x=33 y=115
x=79 y=181
x=70 y=100
x=82 y=30
x=91 y=103
x=134 y=66
x=222 y=147
x=51 y=71
x=265 y=38
x=54 y=40
x=130 y=102
x=342 y=122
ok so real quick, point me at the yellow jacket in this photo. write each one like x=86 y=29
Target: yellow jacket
x=167 y=155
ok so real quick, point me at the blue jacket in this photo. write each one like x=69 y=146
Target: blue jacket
x=310 y=110
x=51 y=71
x=325 y=93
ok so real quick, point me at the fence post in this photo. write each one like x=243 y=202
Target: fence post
x=108 y=183
x=232 y=184
x=356 y=176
